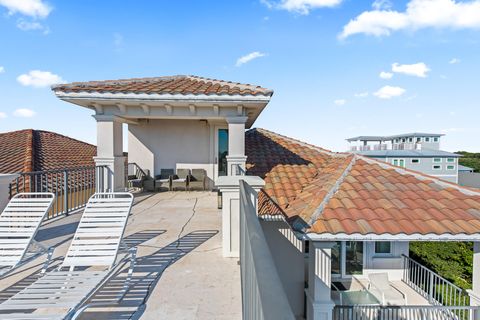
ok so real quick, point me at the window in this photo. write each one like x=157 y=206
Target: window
x=404 y=140
x=451 y=160
x=419 y=139
x=415 y=160
x=383 y=247
x=410 y=139
x=450 y=167
x=427 y=139
x=437 y=167
x=437 y=160
x=399 y=162
x=435 y=139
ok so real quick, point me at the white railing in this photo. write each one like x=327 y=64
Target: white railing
x=263 y=296
x=385 y=146
x=374 y=312
x=433 y=287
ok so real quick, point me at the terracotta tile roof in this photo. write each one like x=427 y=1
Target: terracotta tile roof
x=179 y=84
x=324 y=192
x=36 y=150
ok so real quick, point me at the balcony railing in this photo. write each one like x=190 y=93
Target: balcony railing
x=72 y=187
x=375 y=312
x=383 y=146
x=263 y=296
x=433 y=287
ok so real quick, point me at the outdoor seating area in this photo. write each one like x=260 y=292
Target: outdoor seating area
x=182 y=179
x=92 y=274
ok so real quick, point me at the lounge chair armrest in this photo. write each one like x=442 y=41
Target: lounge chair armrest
x=398 y=290
x=46 y=264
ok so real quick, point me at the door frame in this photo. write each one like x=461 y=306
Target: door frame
x=343 y=261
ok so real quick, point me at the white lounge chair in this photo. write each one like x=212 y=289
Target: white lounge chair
x=89 y=263
x=19 y=223
x=381 y=288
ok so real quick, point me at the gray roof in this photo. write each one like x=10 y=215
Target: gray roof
x=426 y=153
x=464 y=168
x=388 y=138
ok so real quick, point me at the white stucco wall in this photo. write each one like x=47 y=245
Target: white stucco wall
x=392 y=264
x=289 y=260
x=5 y=180
x=172 y=144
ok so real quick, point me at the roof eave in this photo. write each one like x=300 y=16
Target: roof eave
x=106 y=96
x=392 y=237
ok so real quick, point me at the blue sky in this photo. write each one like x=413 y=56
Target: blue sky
x=323 y=59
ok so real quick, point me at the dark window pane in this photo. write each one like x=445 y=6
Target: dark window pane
x=383 y=247
x=222 y=151
x=354 y=257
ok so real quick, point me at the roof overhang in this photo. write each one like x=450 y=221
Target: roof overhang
x=392 y=237
x=168 y=106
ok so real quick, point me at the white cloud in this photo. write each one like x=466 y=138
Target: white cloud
x=385 y=75
x=340 y=102
x=3 y=115
x=382 y=4
x=249 y=57
x=300 y=6
x=417 y=69
x=418 y=14
x=2 y=69
x=24 y=113
x=361 y=95
x=32 y=25
x=388 y=92
x=32 y=8
x=39 y=79
x=454 y=61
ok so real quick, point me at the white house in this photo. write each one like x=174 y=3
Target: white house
x=327 y=217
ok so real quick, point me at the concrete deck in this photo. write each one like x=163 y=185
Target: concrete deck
x=180 y=272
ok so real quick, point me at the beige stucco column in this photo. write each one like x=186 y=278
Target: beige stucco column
x=319 y=301
x=110 y=153
x=236 y=145
x=229 y=186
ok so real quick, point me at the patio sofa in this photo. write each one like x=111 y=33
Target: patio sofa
x=180 y=179
x=164 y=179
x=140 y=179
x=197 y=179
x=184 y=178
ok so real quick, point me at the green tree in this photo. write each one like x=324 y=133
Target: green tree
x=451 y=260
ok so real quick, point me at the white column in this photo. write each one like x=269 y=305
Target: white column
x=110 y=151
x=229 y=186
x=236 y=145
x=475 y=292
x=319 y=301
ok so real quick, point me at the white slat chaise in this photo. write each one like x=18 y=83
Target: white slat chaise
x=90 y=261
x=19 y=223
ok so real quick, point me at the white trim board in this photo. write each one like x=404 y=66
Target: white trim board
x=160 y=97
x=393 y=237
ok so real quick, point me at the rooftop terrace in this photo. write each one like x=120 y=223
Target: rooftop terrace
x=180 y=271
